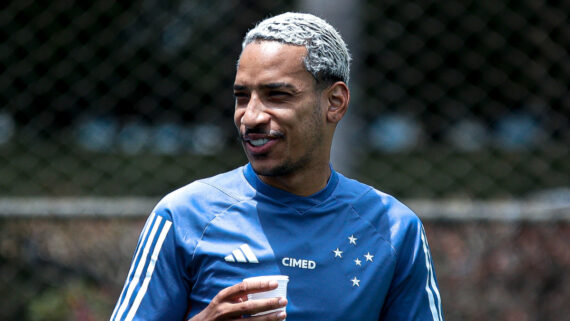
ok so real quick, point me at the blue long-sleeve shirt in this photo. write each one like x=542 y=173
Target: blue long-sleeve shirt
x=351 y=252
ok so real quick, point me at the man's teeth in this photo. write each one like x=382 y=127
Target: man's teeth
x=258 y=142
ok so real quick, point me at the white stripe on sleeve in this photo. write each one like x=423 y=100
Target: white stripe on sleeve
x=140 y=266
x=143 y=237
x=150 y=270
x=430 y=282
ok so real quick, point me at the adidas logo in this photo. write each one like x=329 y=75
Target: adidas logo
x=243 y=254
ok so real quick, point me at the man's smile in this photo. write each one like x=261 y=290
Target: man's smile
x=260 y=143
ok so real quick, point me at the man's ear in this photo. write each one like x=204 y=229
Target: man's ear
x=338 y=97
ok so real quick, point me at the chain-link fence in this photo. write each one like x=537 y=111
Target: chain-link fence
x=464 y=98
x=116 y=98
x=476 y=92
x=452 y=100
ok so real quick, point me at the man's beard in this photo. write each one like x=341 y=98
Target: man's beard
x=286 y=168
x=289 y=165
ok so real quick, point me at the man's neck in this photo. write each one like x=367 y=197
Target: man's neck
x=302 y=183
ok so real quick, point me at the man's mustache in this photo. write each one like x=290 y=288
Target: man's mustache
x=260 y=131
x=256 y=130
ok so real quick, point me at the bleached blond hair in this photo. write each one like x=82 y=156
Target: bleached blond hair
x=327 y=59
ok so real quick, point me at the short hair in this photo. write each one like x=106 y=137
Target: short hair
x=327 y=57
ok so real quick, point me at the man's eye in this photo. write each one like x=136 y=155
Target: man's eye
x=240 y=96
x=278 y=94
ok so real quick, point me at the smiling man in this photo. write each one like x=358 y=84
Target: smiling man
x=351 y=252
x=285 y=118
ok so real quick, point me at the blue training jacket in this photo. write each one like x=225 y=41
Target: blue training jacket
x=351 y=252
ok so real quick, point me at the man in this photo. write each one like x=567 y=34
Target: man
x=351 y=252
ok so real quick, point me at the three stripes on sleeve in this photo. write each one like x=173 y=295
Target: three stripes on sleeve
x=150 y=243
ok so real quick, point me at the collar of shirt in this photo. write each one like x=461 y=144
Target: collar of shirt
x=300 y=203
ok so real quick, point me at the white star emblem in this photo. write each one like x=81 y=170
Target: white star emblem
x=369 y=257
x=355 y=281
x=338 y=253
x=357 y=261
x=352 y=239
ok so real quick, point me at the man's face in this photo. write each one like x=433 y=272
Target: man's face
x=279 y=112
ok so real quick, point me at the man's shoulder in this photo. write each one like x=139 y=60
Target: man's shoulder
x=207 y=195
x=359 y=193
x=232 y=184
x=350 y=188
x=379 y=207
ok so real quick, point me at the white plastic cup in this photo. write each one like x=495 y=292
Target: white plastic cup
x=279 y=292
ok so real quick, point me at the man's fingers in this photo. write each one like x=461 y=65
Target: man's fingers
x=281 y=315
x=237 y=310
x=261 y=305
x=244 y=288
x=232 y=302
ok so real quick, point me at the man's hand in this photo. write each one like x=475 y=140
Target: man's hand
x=231 y=303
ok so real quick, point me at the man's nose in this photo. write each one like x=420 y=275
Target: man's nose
x=255 y=113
